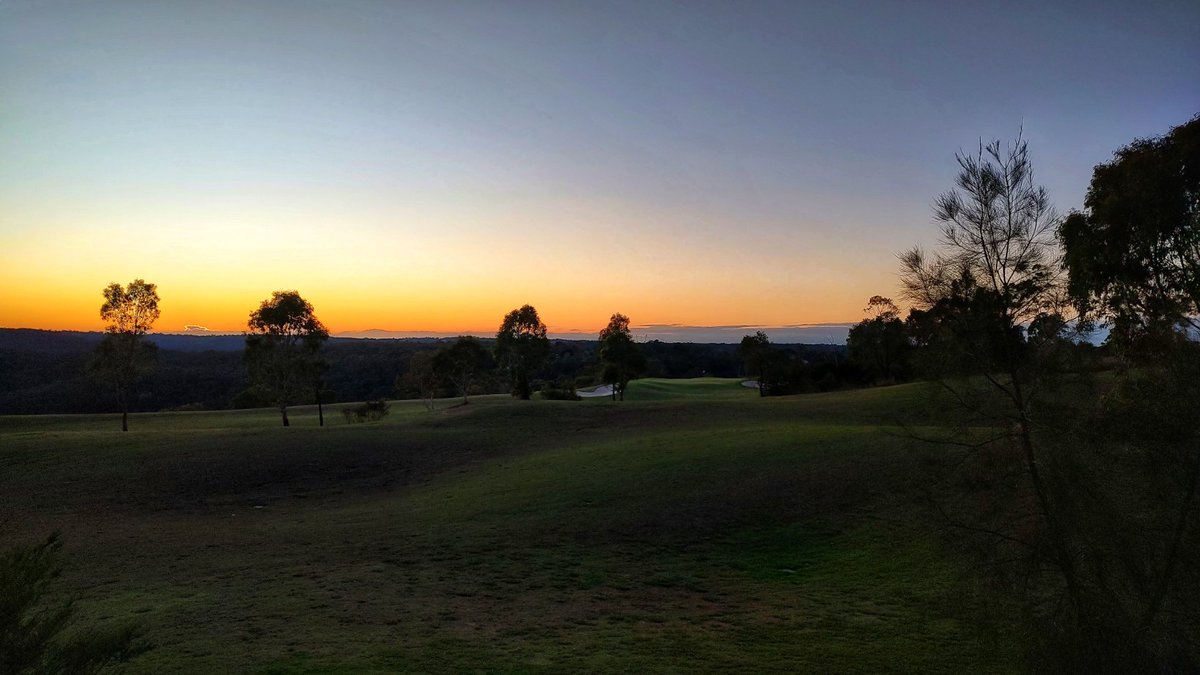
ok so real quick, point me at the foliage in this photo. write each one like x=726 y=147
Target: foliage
x=34 y=639
x=124 y=357
x=766 y=362
x=369 y=411
x=283 y=348
x=880 y=343
x=620 y=358
x=1134 y=254
x=994 y=273
x=132 y=309
x=461 y=362
x=1078 y=489
x=522 y=348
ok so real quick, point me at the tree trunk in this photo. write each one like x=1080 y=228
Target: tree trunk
x=123 y=399
x=1058 y=538
x=320 y=411
x=283 y=413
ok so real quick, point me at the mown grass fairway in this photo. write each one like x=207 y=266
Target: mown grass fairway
x=697 y=529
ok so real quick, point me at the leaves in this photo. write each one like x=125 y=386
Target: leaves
x=522 y=347
x=283 y=347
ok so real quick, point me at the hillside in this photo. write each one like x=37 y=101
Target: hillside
x=706 y=530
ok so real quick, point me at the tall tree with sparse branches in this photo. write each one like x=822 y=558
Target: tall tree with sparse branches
x=995 y=275
x=124 y=356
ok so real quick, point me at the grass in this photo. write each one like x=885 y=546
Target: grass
x=660 y=389
x=694 y=527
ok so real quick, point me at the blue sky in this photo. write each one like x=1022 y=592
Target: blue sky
x=429 y=166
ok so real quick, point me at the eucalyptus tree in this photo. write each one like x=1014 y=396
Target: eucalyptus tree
x=759 y=356
x=124 y=356
x=620 y=357
x=1133 y=254
x=283 y=349
x=522 y=348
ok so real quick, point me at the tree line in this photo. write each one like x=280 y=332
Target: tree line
x=285 y=357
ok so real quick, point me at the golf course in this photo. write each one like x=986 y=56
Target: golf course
x=695 y=527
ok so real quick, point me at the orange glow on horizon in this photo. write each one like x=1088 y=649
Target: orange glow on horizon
x=568 y=308
x=214 y=267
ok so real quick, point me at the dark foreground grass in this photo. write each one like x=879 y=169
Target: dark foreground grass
x=715 y=532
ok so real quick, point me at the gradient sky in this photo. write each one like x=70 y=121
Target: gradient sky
x=428 y=166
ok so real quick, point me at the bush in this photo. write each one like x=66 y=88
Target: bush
x=371 y=411
x=32 y=632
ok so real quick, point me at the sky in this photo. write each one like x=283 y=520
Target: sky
x=425 y=167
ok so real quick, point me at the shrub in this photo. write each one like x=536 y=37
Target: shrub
x=371 y=411
x=33 y=635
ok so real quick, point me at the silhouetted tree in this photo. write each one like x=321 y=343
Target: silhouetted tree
x=522 y=348
x=1134 y=260
x=1133 y=255
x=620 y=358
x=994 y=273
x=461 y=362
x=758 y=355
x=124 y=356
x=879 y=343
x=283 y=348
x=34 y=635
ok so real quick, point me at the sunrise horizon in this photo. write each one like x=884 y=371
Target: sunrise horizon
x=431 y=167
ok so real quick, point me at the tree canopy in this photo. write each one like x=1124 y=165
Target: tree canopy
x=1133 y=254
x=283 y=348
x=522 y=348
x=880 y=343
x=995 y=269
x=132 y=309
